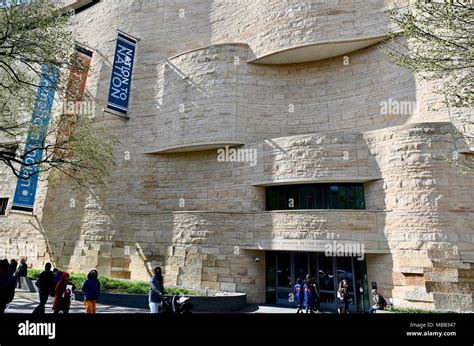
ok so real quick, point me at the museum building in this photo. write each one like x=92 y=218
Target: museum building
x=291 y=93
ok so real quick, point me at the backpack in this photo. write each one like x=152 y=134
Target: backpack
x=39 y=282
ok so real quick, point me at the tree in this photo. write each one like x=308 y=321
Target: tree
x=35 y=34
x=439 y=46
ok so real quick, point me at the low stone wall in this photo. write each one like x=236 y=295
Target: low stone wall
x=230 y=303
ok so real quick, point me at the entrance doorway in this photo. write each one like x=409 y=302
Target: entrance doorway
x=284 y=268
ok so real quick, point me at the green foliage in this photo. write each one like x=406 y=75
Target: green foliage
x=22 y=28
x=90 y=155
x=180 y=291
x=33 y=273
x=123 y=286
x=110 y=285
x=33 y=34
x=439 y=46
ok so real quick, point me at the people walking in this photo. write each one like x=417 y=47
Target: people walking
x=299 y=296
x=379 y=302
x=314 y=292
x=155 y=297
x=62 y=294
x=343 y=296
x=45 y=284
x=91 y=290
x=309 y=296
x=7 y=285
x=21 y=272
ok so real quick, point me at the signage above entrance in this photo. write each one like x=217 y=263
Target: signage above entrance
x=305 y=245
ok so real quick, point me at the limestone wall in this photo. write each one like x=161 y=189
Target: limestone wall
x=206 y=249
x=274 y=25
x=430 y=220
x=204 y=92
x=335 y=156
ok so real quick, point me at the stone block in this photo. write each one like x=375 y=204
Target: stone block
x=119 y=274
x=67 y=250
x=210 y=285
x=118 y=252
x=226 y=286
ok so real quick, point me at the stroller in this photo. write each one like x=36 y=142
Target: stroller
x=177 y=305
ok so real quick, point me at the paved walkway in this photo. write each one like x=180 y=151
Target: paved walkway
x=25 y=302
x=268 y=309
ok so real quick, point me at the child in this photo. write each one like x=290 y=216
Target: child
x=91 y=290
x=299 y=296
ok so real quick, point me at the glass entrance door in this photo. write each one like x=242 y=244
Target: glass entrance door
x=326 y=281
x=290 y=267
x=284 y=277
x=284 y=268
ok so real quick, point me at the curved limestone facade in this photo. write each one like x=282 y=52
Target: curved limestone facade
x=307 y=90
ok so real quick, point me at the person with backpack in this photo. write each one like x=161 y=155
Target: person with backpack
x=155 y=297
x=63 y=294
x=379 y=302
x=91 y=290
x=315 y=292
x=7 y=286
x=45 y=284
x=299 y=296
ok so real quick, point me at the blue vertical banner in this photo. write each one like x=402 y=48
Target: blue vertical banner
x=25 y=193
x=121 y=81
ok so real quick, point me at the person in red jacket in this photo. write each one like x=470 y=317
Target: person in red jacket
x=62 y=294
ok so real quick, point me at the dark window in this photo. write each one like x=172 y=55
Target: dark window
x=84 y=7
x=3 y=205
x=315 y=196
x=273 y=199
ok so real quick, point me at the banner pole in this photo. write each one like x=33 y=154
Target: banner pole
x=128 y=35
